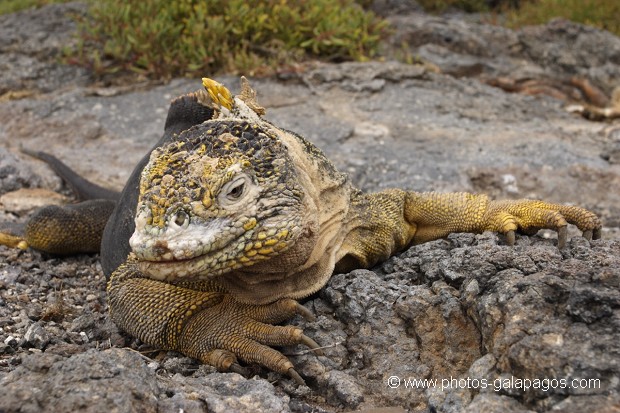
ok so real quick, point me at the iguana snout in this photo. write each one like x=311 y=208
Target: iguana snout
x=176 y=242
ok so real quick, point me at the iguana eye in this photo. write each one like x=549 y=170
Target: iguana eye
x=235 y=192
x=238 y=191
x=180 y=218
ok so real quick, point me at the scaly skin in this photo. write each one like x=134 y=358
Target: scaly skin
x=235 y=219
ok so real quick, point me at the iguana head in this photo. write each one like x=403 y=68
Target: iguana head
x=220 y=196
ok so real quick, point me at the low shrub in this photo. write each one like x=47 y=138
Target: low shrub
x=13 y=6
x=163 y=38
x=604 y=14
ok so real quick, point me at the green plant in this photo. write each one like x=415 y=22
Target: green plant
x=12 y=6
x=162 y=38
x=604 y=14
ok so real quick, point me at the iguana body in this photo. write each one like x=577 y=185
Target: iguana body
x=230 y=219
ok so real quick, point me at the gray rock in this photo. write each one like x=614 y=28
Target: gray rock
x=31 y=42
x=120 y=380
x=343 y=390
x=224 y=393
x=36 y=336
x=495 y=403
x=112 y=380
x=466 y=47
x=14 y=174
x=512 y=326
x=567 y=48
x=611 y=150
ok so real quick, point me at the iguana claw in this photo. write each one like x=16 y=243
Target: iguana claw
x=562 y=236
x=237 y=368
x=295 y=376
x=308 y=342
x=304 y=312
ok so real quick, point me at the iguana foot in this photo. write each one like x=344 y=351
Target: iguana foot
x=230 y=331
x=13 y=235
x=529 y=216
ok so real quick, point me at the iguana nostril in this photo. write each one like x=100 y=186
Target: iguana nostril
x=160 y=248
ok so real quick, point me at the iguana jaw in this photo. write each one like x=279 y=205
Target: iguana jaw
x=202 y=252
x=180 y=270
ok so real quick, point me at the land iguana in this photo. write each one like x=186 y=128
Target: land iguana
x=229 y=220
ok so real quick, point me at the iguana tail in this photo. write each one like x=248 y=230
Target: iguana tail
x=82 y=188
x=68 y=229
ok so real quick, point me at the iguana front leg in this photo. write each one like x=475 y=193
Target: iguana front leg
x=437 y=215
x=202 y=321
x=388 y=221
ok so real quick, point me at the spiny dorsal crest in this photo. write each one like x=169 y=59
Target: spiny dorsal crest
x=223 y=101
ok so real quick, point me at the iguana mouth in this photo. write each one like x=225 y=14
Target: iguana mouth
x=234 y=252
x=184 y=244
x=178 y=269
x=161 y=262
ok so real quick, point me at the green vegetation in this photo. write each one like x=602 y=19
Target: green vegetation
x=12 y=6
x=163 y=38
x=604 y=14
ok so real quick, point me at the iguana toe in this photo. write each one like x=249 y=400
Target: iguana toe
x=510 y=237
x=237 y=368
x=304 y=312
x=223 y=360
x=229 y=331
